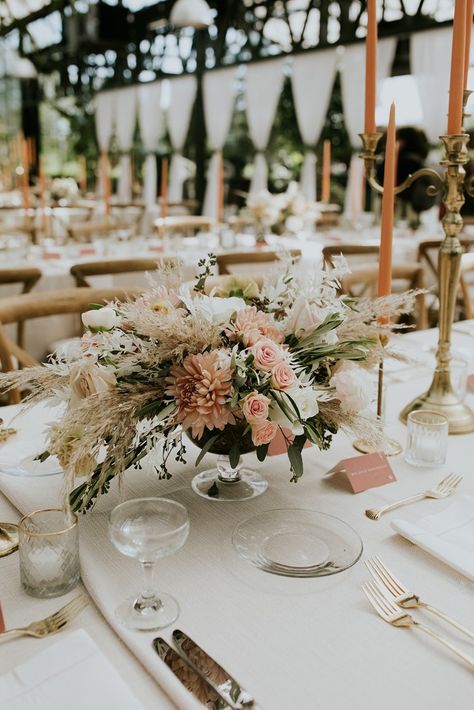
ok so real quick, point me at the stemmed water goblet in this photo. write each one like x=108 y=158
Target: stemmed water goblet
x=148 y=529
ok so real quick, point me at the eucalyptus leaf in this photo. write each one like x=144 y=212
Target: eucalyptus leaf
x=234 y=456
x=296 y=460
x=206 y=448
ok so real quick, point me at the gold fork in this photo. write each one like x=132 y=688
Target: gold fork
x=390 y=613
x=51 y=624
x=442 y=490
x=403 y=597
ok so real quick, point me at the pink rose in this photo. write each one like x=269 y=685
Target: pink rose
x=255 y=407
x=283 y=377
x=267 y=354
x=263 y=432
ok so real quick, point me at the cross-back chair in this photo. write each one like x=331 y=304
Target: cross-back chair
x=183 y=225
x=353 y=253
x=27 y=277
x=25 y=307
x=243 y=262
x=82 y=271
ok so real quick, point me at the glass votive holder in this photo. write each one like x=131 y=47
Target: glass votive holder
x=458 y=371
x=427 y=438
x=49 y=552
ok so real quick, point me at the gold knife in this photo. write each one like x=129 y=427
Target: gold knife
x=237 y=697
x=190 y=677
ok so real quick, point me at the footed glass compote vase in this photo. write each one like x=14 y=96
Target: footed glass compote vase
x=227 y=481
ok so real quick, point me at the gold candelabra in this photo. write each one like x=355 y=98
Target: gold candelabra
x=440 y=397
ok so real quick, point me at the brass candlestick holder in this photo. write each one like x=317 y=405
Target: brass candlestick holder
x=440 y=396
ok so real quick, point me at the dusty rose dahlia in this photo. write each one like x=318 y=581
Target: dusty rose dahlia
x=201 y=388
x=251 y=325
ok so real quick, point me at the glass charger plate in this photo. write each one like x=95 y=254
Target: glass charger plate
x=297 y=543
x=30 y=467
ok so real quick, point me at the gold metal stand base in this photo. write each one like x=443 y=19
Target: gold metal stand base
x=389 y=448
x=459 y=415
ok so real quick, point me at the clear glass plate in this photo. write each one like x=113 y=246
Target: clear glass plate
x=29 y=467
x=297 y=543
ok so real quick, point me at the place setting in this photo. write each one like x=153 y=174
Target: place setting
x=236 y=378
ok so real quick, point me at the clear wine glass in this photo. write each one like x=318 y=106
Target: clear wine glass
x=148 y=529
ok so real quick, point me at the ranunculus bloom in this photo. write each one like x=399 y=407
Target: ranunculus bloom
x=263 y=432
x=267 y=354
x=251 y=325
x=283 y=377
x=255 y=407
x=89 y=379
x=201 y=388
x=100 y=319
x=353 y=386
x=304 y=317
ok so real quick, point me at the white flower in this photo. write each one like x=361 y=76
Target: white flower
x=353 y=386
x=87 y=379
x=217 y=310
x=101 y=319
x=305 y=399
x=304 y=317
x=294 y=224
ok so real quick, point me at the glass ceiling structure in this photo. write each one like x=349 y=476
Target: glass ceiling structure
x=86 y=45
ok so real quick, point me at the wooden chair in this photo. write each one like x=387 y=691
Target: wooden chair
x=85 y=231
x=184 y=225
x=466 y=287
x=363 y=283
x=82 y=271
x=27 y=277
x=22 y=226
x=19 y=309
x=428 y=255
x=128 y=214
x=250 y=260
x=356 y=253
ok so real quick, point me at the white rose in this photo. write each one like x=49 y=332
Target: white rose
x=353 y=386
x=89 y=379
x=304 y=317
x=305 y=399
x=218 y=310
x=294 y=224
x=101 y=319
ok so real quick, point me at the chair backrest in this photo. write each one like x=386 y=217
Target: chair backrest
x=82 y=271
x=129 y=214
x=428 y=251
x=28 y=306
x=356 y=254
x=467 y=286
x=184 y=225
x=85 y=231
x=362 y=282
x=251 y=261
x=27 y=277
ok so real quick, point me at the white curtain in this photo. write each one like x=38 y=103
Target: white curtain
x=150 y=119
x=183 y=94
x=104 y=126
x=312 y=80
x=429 y=53
x=125 y=121
x=263 y=88
x=353 y=199
x=352 y=82
x=219 y=89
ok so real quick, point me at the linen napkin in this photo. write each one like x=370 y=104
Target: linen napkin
x=72 y=674
x=448 y=535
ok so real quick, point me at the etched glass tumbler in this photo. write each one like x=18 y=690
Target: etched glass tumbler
x=427 y=438
x=49 y=552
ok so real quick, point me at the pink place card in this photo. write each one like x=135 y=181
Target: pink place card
x=366 y=471
x=87 y=250
x=279 y=444
x=50 y=255
x=155 y=247
x=470 y=383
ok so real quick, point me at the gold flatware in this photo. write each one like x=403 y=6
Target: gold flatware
x=392 y=614
x=8 y=538
x=6 y=432
x=403 y=597
x=442 y=490
x=51 y=624
x=237 y=697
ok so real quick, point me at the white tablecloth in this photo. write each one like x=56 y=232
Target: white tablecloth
x=293 y=643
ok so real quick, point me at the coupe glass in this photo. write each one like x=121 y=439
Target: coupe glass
x=148 y=529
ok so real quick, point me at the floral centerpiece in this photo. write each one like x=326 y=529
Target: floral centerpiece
x=233 y=366
x=284 y=212
x=64 y=189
